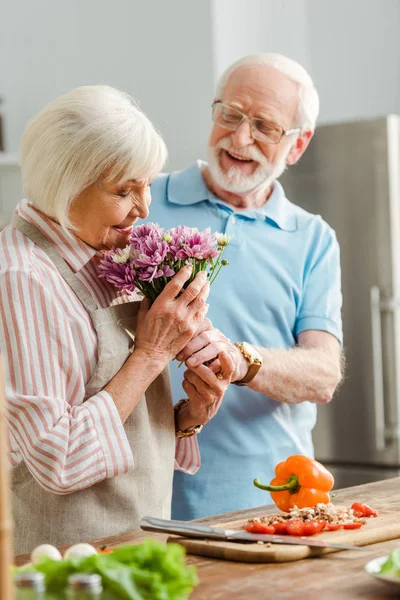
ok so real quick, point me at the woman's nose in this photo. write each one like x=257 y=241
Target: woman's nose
x=141 y=209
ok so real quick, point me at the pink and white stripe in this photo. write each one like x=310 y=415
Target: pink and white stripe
x=49 y=349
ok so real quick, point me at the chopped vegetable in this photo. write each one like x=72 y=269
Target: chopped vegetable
x=279 y=528
x=313 y=519
x=299 y=481
x=363 y=510
x=257 y=527
x=290 y=527
x=148 y=571
x=352 y=525
x=392 y=564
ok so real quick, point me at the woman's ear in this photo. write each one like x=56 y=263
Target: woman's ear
x=299 y=147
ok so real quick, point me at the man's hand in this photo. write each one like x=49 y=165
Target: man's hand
x=206 y=345
x=205 y=392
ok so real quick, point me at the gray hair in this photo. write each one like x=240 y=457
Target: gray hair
x=308 y=108
x=89 y=133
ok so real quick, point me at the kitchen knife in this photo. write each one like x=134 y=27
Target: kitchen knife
x=195 y=530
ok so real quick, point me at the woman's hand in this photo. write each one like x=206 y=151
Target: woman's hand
x=165 y=327
x=205 y=391
x=206 y=346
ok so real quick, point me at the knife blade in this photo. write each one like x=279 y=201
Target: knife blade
x=196 y=530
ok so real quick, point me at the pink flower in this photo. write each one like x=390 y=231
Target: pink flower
x=122 y=275
x=189 y=242
x=152 y=252
x=155 y=255
x=141 y=232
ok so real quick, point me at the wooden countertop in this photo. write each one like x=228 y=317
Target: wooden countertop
x=338 y=576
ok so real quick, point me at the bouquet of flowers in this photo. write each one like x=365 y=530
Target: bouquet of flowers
x=155 y=255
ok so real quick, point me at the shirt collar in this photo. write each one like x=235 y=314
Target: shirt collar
x=73 y=250
x=188 y=187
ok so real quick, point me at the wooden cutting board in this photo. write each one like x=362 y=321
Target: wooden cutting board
x=384 y=527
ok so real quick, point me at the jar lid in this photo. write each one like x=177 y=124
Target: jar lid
x=30 y=579
x=83 y=581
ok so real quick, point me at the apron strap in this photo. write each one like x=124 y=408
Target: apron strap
x=33 y=233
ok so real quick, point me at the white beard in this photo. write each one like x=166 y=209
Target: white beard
x=234 y=180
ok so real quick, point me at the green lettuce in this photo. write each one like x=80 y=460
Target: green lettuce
x=147 y=571
x=392 y=564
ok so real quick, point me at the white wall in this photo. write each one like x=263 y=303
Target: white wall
x=350 y=47
x=158 y=51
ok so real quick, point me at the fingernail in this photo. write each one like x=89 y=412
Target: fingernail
x=189 y=268
x=179 y=357
x=192 y=362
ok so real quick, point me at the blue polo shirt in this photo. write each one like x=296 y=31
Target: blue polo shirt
x=283 y=278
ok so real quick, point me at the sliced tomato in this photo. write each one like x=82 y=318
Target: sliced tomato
x=257 y=527
x=358 y=514
x=280 y=528
x=370 y=512
x=295 y=527
x=332 y=526
x=312 y=527
x=363 y=510
x=352 y=525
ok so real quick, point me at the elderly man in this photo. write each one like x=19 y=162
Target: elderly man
x=279 y=299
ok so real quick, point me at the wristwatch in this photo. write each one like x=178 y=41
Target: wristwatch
x=254 y=359
x=190 y=430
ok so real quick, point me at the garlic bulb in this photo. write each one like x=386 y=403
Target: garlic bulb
x=45 y=550
x=80 y=551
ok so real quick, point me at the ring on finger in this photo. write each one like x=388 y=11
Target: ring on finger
x=219 y=375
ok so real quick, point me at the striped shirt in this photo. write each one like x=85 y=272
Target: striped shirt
x=49 y=349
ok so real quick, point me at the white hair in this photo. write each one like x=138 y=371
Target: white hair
x=89 y=133
x=308 y=108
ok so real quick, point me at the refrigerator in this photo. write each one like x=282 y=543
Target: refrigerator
x=350 y=175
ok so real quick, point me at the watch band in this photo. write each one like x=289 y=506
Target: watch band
x=190 y=430
x=254 y=359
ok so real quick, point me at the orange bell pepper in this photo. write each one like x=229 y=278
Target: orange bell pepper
x=299 y=481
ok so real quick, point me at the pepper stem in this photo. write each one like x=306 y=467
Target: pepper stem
x=292 y=485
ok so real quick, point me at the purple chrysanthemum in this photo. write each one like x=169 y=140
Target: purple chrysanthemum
x=155 y=255
x=122 y=275
x=141 y=232
x=189 y=242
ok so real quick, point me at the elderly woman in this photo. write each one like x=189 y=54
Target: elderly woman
x=92 y=430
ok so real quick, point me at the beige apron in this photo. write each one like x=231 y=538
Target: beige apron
x=115 y=505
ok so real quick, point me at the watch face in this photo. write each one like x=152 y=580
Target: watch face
x=251 y=350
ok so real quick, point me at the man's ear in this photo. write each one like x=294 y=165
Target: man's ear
x=299 y=147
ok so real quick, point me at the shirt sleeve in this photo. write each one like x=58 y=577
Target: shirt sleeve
x=66 y=444
x=187 y=455
x=321 y=303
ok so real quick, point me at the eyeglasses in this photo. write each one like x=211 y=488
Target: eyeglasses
x=261 y=130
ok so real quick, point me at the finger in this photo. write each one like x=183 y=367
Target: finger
x=227 y=366
x=208 y=377
x=201 y=386
x=205 y=325
x=176 y=284
x=197 y=342
x=215 y=366
x=209 y=352
x=198 y=286
x=200 y=315
x=195 y=398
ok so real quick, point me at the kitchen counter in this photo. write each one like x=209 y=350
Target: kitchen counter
x=338 y=576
